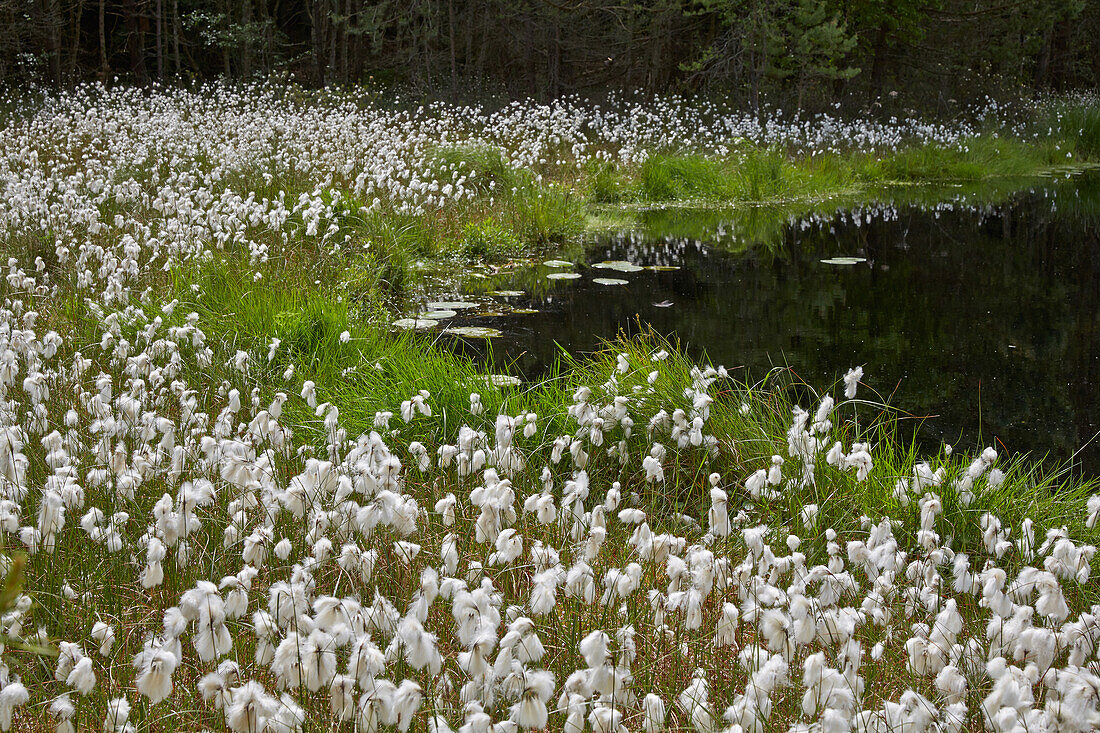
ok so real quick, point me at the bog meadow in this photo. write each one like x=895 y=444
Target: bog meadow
x=419 y=386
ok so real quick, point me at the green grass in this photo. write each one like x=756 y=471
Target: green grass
x=484 y=166
x=546 y=214
x=524 y=206
x=605 y=183
x=329 y=302
x=1073 y=124
x=752 y=174
x=974 y=159
x=376 y=369
x=670 y=177
x=762 y=175
x=488 y=241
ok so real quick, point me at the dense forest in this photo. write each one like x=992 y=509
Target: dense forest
x=803 y=53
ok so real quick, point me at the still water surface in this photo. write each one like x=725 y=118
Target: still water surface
x=983 y=316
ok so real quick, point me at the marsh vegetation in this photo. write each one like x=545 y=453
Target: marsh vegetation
x=239 y=499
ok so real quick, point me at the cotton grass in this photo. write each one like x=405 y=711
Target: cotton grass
x=214 y=541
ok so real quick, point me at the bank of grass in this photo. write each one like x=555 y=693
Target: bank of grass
x=769 y=176
x=515 y=212
x=522 y=208
x=976 y=159
x=757 y=175
x=1071 y=124
x=374 y=369
x=312 y=293
x=543 y=210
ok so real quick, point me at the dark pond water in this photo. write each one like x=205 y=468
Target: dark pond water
x=981 y=314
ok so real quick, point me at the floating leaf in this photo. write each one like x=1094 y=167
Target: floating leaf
x=620 y=265
x=662 y=268
x=415 y=323
x=562 y=276
x=524 y=311
x=474 y=332
x=609 y=281
x=844 y=260
x=438 y=315
x=558 y=263
x=664 y=304
x=507 y=293
x=451 y=305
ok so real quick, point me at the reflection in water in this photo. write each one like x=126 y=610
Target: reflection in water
x=983 y=316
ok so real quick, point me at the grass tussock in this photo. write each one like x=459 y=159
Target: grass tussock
x=970 y=160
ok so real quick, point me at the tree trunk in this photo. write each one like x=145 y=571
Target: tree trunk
x=468 y=33
x=159 y=19
x=246 y=40
x=878 y=62
x=426 y=37
x=53 y=39
x=529 y=52
x=1042 y=63
x=345 y=38
x=451 y=46
x=74 y=54
x=227 y=9
x=555 y=62
x=104 y=69
x=316 y=12
x=271 y=24
x=176 y=34
x=135 y=40
x=330 y=23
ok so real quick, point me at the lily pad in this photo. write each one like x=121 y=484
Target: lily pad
x=451 y=305
x=474 y=332
x=415 y=323
x=507 y=293
x=662 y=268
x=609 y=281
x=619 y=265
x=438 y=315
x=524 y=311
x=844 y=260
x=563 y=276
x=558 y=263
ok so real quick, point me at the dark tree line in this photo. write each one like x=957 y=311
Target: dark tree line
x=803 y=52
